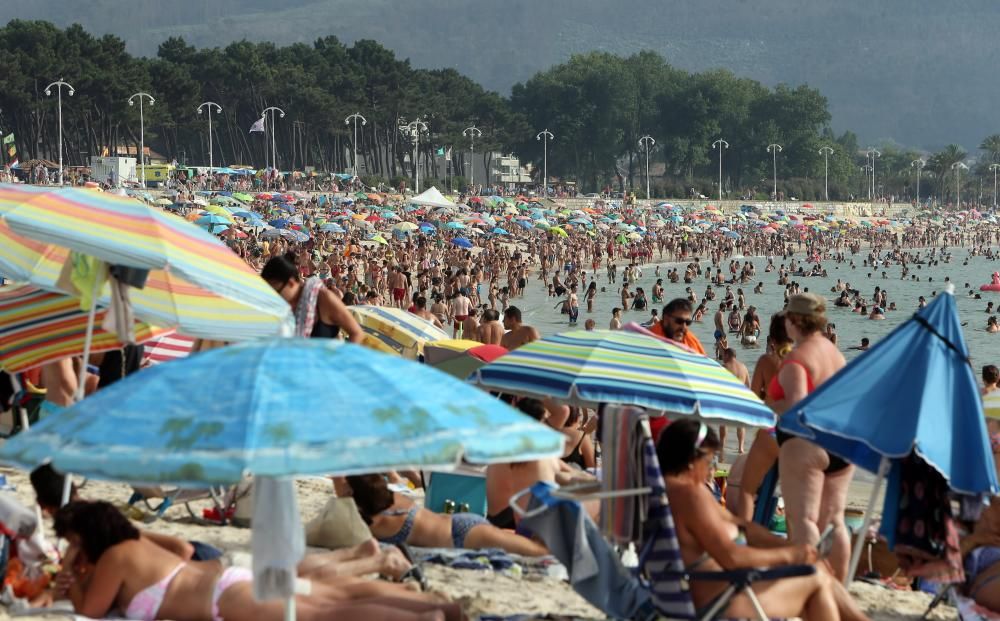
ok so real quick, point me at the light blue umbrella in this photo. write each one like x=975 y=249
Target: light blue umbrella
x=454 y=225
x=332 y=227
x=211 y=220
x=500 y=231
x=914 y=391
x=278 y=408
x=461 y=242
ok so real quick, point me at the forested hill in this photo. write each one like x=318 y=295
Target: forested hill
x=921 y=72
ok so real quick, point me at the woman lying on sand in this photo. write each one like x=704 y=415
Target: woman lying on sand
x=713 y=539
x=394 y=518
x=109 y=565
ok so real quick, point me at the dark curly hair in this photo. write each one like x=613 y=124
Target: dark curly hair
x=99 y=525
x=371 y=495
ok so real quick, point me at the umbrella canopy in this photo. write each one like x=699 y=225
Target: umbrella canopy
x=913 y=391
x=41 y=326
x=395 y=331
x=373 y=413
x=462 y=242
x=431 y=197
x=588 y=368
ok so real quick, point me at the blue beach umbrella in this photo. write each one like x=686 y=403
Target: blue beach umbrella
x=462 y=242
x=454 y=225
x=913 y=392
x=500 y=231
x=280 y=223
x=211 y=219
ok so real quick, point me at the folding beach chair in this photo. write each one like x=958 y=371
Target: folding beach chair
x=767 y=498
x=224 y=500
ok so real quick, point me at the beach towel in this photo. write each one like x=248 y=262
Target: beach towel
x=623 y=436
x=305 y=312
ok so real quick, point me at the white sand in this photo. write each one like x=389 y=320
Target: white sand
x=479 y=592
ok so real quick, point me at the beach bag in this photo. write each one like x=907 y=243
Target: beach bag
x=338 y=525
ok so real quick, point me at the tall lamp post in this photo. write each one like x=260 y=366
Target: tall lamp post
x=720 y=144
x=207 y=106
x=274 y=150
x=647 y=141
x=547 y=135
x=472 y=132
x=958 y=166
x=994 y=168
x=413 y=129
x=873 y=153
x=59 y=84
x=142 y=130
x=826 y=152
x=774 y=149
x=919 y=165
x=356 y=117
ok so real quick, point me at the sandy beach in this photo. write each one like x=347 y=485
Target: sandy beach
x=479 y=592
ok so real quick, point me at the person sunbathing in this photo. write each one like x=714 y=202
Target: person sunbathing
x=363 y=559
x=713 y=539
x=110 y=565
x=394 y=518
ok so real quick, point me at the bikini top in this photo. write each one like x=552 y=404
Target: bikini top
x=774 y=390
x=146 y=603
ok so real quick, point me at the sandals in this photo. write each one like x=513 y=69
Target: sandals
x=415 y=572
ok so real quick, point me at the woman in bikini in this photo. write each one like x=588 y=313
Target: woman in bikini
x=109 y=565
x=395 y=519
x=814 y=483
x=318 y=312
x=713 y=539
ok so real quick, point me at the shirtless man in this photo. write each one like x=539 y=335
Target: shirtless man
x=397 y=282
x=738 y=369
x=459 y=309
x=490 y=330
x=470 y=326
x=420 y=310
x=519 y=334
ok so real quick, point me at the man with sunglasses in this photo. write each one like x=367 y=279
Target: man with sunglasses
x=675 y=323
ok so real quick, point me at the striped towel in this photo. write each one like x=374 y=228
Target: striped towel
x=168 y=348
x=622 y=441
x=670 y=594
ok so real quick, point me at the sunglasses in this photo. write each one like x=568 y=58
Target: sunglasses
x=681 y=321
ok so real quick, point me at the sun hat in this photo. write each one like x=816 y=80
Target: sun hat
x=805 y=304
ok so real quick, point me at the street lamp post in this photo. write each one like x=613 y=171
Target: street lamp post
x=356 y=117
x=59 y=84
x=142 y=131
x=958 y=166
x=826 y=152
x=774 y=149
x=720 y=144
x=547 y=135
x=274 y=149
x=472 y=132
x=647 y=141
x=873 y=153
x=413 y=128
x=994 y=168
x=919 y=165
x=208 y=105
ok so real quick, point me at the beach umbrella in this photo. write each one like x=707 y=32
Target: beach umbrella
x=259 y=410
x=163 y=202
x=913 y=392
x=462 y=242
x=558 y=231
x=212 y=219
x=589 y=368
x=395 y=331
x=454 y=225
x=460 y=358
x=405 y=227
x=500 y=231
x=43 y=326
x=195 y=283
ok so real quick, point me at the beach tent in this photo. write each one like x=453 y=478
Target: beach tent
x=431 y=197
x=914 y=392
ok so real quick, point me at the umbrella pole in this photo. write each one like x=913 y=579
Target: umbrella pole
x=91 y=318
x=290 y=608
x=859 y=541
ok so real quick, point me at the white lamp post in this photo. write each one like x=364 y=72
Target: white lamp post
x=142 y=130
x=59 y=84
x=919 y=165
x=720 y=144
x=274 y=150
x=873 y=153
x=773 y=149
x=207 y=106
x=472 y=132
x=413 y=129
x=547 y=135
x=356 y=117
x=647 y=141
x=958 y=166
x=994 y=168
x=826 y=152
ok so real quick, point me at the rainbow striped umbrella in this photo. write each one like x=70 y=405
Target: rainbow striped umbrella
x=196 y=283
x=42 y=326
x=395 y=331
x=589 y=368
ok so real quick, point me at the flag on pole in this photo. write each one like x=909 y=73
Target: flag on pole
x=258 y=126
x=439 y=151
x=9 y=138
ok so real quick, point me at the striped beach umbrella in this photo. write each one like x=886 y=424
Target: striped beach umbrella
x=589 y=368
x=196 y=283
x=396 y=331
x=38 y=327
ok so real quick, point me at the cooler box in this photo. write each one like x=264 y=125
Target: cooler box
x=469 y=489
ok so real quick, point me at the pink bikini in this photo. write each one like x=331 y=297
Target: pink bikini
x=147 y=602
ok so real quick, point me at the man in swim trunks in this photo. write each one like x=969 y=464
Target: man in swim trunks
x=397 y=282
